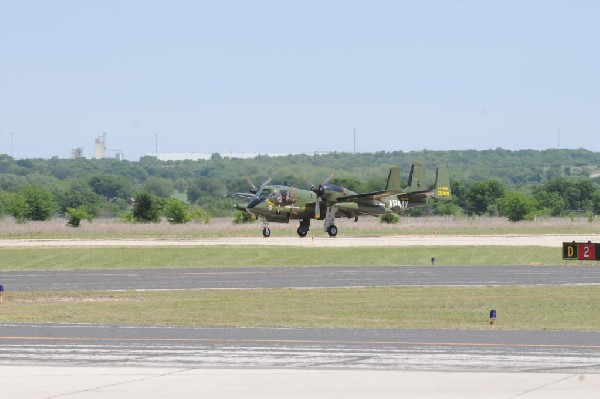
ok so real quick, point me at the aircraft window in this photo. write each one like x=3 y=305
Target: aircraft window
x=264 y=193
x=280 y=196
x=333 y=187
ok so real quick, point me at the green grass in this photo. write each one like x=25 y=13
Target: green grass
x=518 y=308
x=40 y=258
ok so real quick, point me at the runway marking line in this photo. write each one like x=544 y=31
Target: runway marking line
x=302 y=341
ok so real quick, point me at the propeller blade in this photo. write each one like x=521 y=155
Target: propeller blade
x=253 y=188
x=265 y=183
x=320 y=191
x=318 y=208
x=328 y=179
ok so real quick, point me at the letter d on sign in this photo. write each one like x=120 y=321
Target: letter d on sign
x=570 y=250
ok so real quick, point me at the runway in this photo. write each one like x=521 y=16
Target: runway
x=298 y=277
x=302 y=348
x=88 y=361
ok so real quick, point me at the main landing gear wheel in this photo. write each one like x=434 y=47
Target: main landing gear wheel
x=302 y=232
x=266 y=232
x=332 y=230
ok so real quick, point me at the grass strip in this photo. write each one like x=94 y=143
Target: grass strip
x=366 y=227
x=21 y=259
x=518 y=308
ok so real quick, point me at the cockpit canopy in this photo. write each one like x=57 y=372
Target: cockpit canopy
x=280 y=196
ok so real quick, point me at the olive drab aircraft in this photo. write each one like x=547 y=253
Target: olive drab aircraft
x=327 y=201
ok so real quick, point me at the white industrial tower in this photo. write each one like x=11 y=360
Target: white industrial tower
x=101 y=146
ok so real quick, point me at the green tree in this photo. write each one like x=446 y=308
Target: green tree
x=19 y=209
x=80 y=195
x=159 y=186
x=33 y=203
x=5 y=201
x=146 y=209
x=550 y=202
x=596 y=202
x=200 y=215
x=577 y=194
x=240 y=217
x=205 y=188
x=516 y=206
x=446 y=208
x=482 y=197
x=75 y=215
x=112 y=186
x=177 y=212
x=389 y=218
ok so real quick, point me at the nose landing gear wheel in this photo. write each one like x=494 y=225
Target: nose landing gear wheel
x=266 y=232
x=302 y=232
x=332 y=230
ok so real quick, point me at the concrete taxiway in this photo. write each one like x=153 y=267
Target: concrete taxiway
x=149 y=383
x=298 y=277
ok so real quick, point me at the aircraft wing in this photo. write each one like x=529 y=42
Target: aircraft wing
x=243 y=195
x=376 y=195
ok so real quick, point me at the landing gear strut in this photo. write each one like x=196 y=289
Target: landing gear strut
x=329 y=225
x=265 y=225
x=304 y=227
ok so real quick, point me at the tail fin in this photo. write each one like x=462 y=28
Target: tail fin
x=442 y=183
x=393 y=180
x=416 y=179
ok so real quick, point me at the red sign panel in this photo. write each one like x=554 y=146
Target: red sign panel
x=587 y=251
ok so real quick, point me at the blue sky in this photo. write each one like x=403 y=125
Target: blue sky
x=282 y=76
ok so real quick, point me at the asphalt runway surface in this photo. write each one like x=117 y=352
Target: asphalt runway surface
x=298 y=277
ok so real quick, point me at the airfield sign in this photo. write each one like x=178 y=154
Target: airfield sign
x=581 y=251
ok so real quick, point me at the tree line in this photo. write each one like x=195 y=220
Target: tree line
x=515 y=184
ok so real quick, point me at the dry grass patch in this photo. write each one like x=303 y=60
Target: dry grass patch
x=366 y=227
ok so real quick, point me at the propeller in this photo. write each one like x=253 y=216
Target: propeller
x=265 y=183
x=253 y=188
x=320 y=190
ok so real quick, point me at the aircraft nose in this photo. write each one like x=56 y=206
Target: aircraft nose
x=253 y=203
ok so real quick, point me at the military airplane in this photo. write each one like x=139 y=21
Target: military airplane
x=282 y=203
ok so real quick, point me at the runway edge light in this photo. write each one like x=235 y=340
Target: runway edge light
x=1 y=293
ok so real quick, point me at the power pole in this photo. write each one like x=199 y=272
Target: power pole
x=355 y=140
